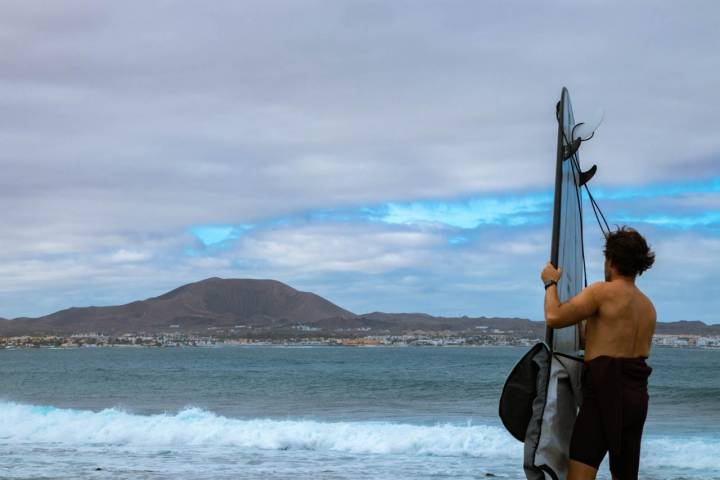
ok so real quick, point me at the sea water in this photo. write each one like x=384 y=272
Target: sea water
x=309 y=412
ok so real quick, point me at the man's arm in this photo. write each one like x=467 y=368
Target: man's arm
x=578 y=308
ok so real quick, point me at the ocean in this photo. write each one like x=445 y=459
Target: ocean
x=309 y=412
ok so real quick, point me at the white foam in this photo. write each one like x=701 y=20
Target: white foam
x=23 y=424
x=682 y=453
x=196 y=427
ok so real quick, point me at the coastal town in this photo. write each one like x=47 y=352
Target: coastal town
x=494 y=337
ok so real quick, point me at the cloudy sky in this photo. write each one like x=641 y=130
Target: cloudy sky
x=388 y=155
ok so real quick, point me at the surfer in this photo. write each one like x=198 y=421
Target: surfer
x=619 y=329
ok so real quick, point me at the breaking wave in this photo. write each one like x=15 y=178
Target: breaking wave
x=195 y=427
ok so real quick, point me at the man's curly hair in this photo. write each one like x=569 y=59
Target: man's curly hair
x=628 y=252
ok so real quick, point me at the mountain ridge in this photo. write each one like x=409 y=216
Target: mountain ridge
x=213 y=302
x=217 y=303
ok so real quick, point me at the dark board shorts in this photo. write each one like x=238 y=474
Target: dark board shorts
x=612 y=416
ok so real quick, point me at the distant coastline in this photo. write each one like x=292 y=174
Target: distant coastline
x=268 y=312
x=424 y=340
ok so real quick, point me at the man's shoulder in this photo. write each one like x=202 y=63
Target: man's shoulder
x=648 y=303
x=597 y=287
x=603 y=291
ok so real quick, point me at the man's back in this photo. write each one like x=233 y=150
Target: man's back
x=618 y=333
x=624 y=323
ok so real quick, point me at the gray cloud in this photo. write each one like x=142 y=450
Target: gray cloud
x=126 y=123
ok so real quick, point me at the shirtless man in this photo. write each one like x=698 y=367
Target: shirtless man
x=619 y=329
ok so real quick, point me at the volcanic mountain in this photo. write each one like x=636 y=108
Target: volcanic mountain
x=271 y=306
x=214 y=302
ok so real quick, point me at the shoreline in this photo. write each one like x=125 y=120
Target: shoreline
x=303 y=345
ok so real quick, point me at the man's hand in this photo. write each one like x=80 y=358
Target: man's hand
x=551 y=273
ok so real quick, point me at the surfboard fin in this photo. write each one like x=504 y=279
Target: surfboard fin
x=571 y=149
x=586 y=130
x=587 y=175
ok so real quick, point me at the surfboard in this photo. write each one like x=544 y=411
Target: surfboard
x=539 y=400
x=566 y=248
